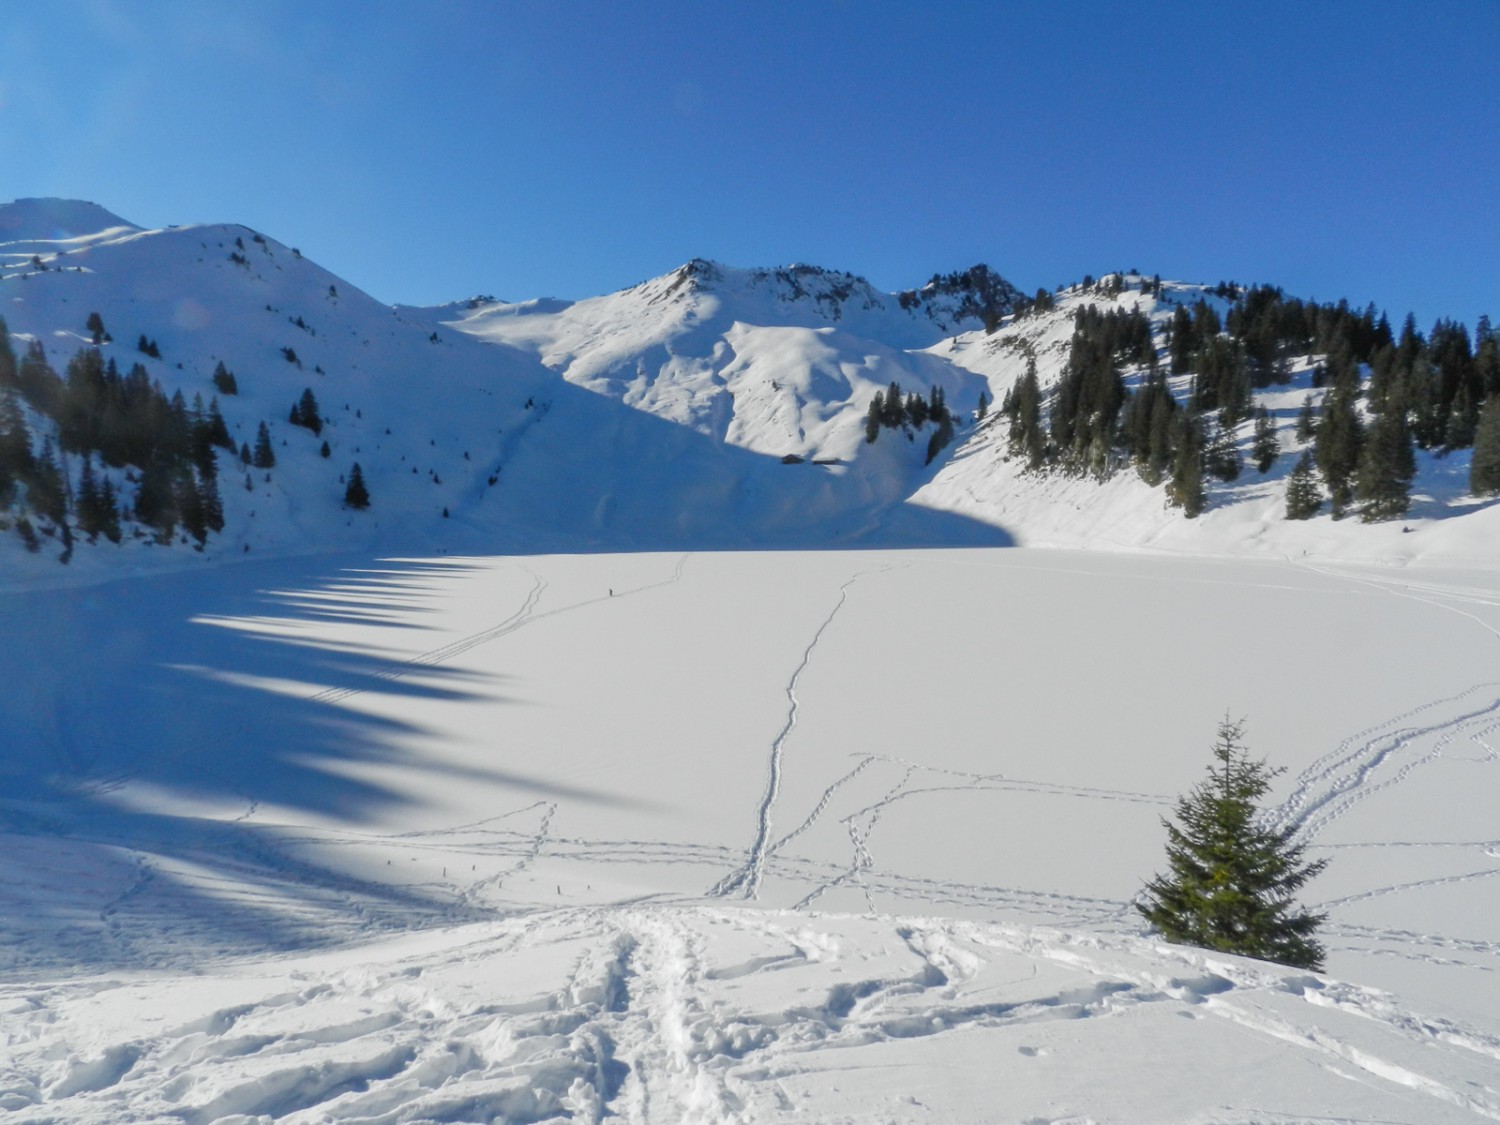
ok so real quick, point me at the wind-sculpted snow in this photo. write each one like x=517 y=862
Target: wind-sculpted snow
x=412 y=840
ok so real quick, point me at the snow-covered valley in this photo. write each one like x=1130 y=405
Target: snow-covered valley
x=675 y=737
x=811 y=836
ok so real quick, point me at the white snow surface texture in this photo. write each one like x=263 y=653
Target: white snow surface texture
x=581 y=804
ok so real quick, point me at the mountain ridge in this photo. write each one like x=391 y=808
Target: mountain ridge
x=761 y=370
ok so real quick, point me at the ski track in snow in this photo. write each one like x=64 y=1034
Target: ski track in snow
x=1340 y=779
x=746 y=879
x=525 y=615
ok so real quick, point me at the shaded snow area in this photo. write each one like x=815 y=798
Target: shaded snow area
x=736 y=837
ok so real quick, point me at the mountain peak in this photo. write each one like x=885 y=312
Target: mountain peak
x=55 y=220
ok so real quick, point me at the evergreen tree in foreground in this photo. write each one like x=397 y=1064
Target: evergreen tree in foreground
x=1232 y=880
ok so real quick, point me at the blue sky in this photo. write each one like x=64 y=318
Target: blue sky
x=433 y=149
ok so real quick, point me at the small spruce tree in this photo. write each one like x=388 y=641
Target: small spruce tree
x=264 y=456
x=1266 y=447
x=1232 y=878
x=356 y=495
x=1185 y=489
x=1303 y=498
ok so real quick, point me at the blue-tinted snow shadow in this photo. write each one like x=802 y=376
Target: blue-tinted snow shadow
x=202 y=685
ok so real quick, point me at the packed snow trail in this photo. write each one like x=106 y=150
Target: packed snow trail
x=658 y=1015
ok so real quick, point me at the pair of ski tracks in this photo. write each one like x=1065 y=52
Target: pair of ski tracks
x=745 y=880
x=1334 y=783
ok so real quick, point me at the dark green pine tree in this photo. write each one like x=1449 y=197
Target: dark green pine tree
x=47 y=493
x=1303 y=497
x=356 y=495
x=264 y=456
x=86 y=502
x=1337 y=448
x=1232 y=879
x=1307 y=420
x=1386 y=468
x=1185 y=489
x=1266 y=447
x=1484 y=467
x=15 y=445
x=305 y=412
x=224 y=380
x=1026 y=426
x=1222 y=458
x=874 y=417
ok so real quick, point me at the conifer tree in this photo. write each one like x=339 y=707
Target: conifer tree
x=1339 y=439
x=47 y=493
x=1026 y=423
x=224 y=380
x=1484 y=467
x=1303 y=498
x=264 y=456
x=305 y=412
x=1265 y=448
x=1221 y=459
x=1386 y=468
x=1307 y=420
x=874 y=417
x=15 y=444
x=1232 y=878
x=356 y=495
x=1185 y=489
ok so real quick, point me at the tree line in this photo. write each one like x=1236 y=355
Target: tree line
x=110 y=424
x=1384 y=395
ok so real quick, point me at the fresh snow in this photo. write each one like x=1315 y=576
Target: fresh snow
x=789 y=836
x=609 y=796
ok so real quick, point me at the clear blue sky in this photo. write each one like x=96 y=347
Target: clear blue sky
x=433 y=149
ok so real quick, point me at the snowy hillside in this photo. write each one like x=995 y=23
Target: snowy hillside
x=984 y=478
x=710 y=407
x=787 y=362
x=782 y=362
x=460 y=444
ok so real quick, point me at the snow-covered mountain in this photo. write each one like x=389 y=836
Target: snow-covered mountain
x=712 y=406
x=751 y=836
x=782 y=362
x=462 y=443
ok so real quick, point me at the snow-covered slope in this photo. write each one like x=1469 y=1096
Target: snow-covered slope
x=777 y=361
x=982 y=479
x=462 y=444
x=805 y=837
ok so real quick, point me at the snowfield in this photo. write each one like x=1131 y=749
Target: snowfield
x=657 y=749
x=803 y=836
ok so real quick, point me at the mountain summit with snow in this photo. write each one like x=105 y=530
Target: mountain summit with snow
x=711 y=406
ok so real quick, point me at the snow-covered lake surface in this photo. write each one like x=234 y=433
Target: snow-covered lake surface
x=804 y=836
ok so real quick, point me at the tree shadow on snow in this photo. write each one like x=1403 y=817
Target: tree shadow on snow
x=143 y=724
